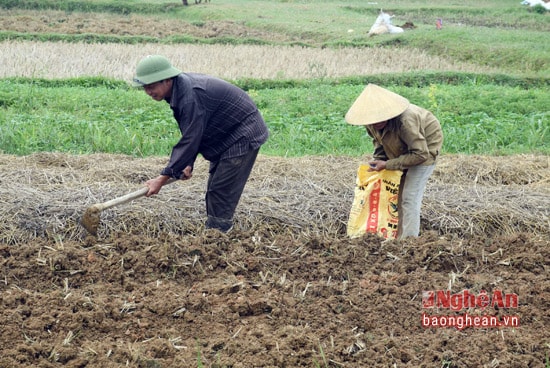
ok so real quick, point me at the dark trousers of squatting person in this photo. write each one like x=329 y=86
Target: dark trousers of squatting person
x=412 y=186
x=225 y=186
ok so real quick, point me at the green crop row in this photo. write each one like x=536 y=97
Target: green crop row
x=88 y=115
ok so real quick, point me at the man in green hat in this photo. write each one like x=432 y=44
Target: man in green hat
x=216 y=119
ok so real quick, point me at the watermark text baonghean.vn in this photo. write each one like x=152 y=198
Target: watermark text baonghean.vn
x=466 y=300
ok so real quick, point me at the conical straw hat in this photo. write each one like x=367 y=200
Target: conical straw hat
x=374 y=105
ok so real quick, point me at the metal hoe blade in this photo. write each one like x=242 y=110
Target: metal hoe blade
x=90 y=219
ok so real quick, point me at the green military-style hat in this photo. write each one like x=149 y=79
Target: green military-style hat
x=153 y=68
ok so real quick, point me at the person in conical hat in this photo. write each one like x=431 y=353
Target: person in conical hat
x=405 y=137
x=217 y=120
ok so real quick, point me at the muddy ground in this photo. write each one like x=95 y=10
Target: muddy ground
x=268 y=294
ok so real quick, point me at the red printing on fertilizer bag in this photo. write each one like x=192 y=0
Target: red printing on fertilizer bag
x=372 y=223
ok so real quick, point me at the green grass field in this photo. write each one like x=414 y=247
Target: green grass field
x=505 y=113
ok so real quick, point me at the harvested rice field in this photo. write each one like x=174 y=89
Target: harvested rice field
x=69 y=60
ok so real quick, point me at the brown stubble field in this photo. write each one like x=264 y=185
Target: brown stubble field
x=286 y=288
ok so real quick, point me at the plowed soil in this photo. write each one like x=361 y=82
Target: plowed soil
x=264 y=295
x=61 y=22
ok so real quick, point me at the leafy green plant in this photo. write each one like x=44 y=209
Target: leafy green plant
x=94 y=115
x=539 y=9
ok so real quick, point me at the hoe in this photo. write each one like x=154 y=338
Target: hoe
x=90 y=219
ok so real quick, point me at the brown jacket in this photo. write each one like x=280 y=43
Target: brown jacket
x=410 y=139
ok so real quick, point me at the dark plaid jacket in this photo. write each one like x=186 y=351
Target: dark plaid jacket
x=216 y=119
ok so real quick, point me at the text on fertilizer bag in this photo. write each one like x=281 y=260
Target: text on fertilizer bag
x=466 y=300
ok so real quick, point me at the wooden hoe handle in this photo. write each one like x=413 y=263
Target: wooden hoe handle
x=127 y=198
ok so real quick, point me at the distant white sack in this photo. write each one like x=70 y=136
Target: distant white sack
x=544 y=3
x=383 y=25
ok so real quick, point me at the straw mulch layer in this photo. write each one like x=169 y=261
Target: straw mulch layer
x=286 y=287
x=44 y=195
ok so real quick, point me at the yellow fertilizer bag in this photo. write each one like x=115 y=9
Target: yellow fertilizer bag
x=374 y=208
